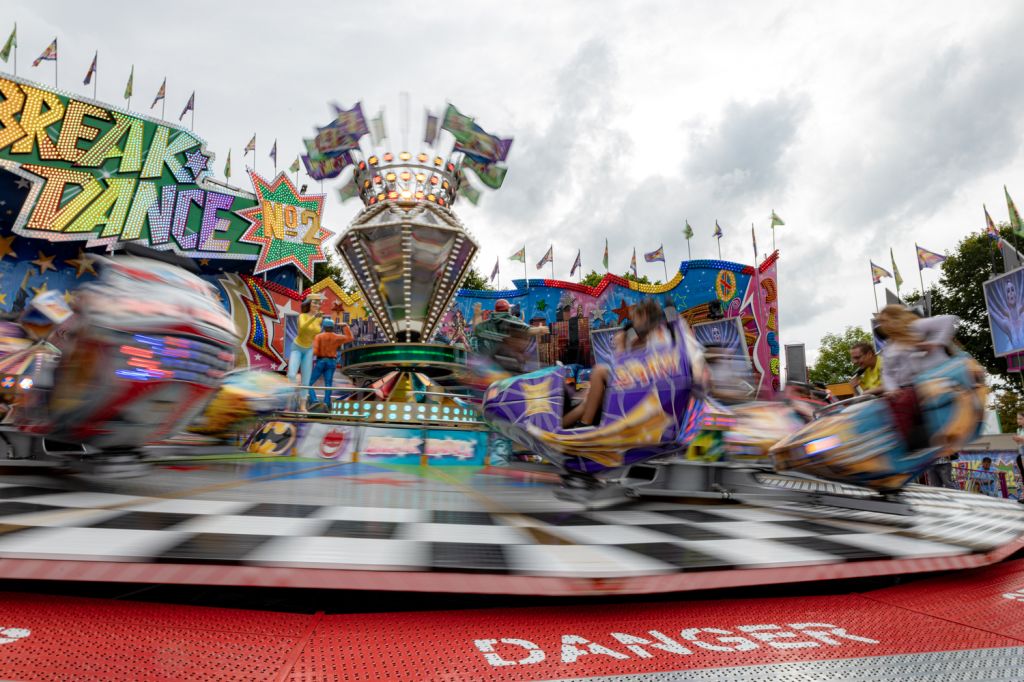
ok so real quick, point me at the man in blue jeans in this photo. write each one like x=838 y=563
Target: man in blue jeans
x=325 y=352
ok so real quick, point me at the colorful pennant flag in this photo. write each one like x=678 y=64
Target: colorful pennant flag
x=128 y=85
x=327 y=167
x=1015 y=221
x=878 y=272
x=190 y=105
x=430 y=130
x=378 y=133
x=349 y=190
x=469 y=193
x=990 y=226
x=548 y=257
x=227 y=167
x=605 y=259
x=350 y=121
x=718 y=230
x=472 y=139
x=519 y=255
x=656 y=256
x=160 y=94
x=273 y=153
x=48 y=55
x=495 y=271
x=688 y=231
x=294 y=168
x=927 y=259
x=632 y=263
x=12 y=43
x=776 y=220
x=576 y=264
x=457 y=124
x=251 y=147
x=491 y=174
x=92 y=69
x=895 y=271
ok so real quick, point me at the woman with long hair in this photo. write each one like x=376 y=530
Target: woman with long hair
x=300 y=360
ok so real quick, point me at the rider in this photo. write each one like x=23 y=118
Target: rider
x=646 y=317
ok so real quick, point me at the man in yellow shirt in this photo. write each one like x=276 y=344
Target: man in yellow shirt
x=869 y=372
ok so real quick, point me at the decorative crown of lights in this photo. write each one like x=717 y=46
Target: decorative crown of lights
x=405 y=177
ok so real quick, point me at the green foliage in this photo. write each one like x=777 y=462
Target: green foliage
x=474 y=280
x=833 y=365
x=592 y=278
x=1007 y=403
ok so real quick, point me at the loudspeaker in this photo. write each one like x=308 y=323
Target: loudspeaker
x=796 y=363
x=715 y=310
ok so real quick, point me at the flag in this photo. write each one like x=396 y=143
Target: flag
x=895 y=270
x=990 y=227
x=12 y=42
x=378 y=133
x=495 y=271
x=878 y=272
x=92 y=69
x=472 y=139
x=718 y=230
x=457 y=124
x=469 y=193
x=656 y=256
x=190 y=105
x=605 y=259
x=273 y=153
x=160 y=94
x=430 y=130
x=251 y=147
x=688 y=231
x=491 y=174
x=48 y=55
x=927 y=259
x=349 y=190
x=227 y=167
x=128 y=85
x=776 y=220
x=632 y=263
x=326 y=167
x=294 y=168
x=519 y=255
x=350 y=121
x=576 y=264
x=1015 y=221
x=548 y=257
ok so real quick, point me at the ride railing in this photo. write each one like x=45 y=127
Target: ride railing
x=966 y=478
x=353 y=403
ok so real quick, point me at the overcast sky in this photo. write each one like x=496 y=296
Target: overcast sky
x=864 y=125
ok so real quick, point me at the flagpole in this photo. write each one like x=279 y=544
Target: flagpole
x=664 y=267
x=95 y=76
x=56 y=58
x=689 y=256
x=552 y=264
x=874 y=285
x=163 y=107
x=773 y=231
x=719 y=248
x=920 y=275
x=193 y=125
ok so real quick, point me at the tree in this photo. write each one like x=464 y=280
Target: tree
x=833 y=365
x=474 y=280
x=593 y=278
x=335 y=270
x=1007 y=403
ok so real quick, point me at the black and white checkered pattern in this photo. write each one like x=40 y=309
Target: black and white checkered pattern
x=647 y=538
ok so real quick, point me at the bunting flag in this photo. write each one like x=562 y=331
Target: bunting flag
x=548 y=257
x=519 y=255
x=48 y=55
x=378 y=133
x=469 y=193
x=273 y=153
x=927 y=259
x=605 y=259
x=326 y=167
x=294 y=168
x=878 y=272
x=718 y=230
x=430 y=130
x=632 y=263
x=495 y=271
x=160 y=94
x=1015 y=221
x=128 y=85
x=349 y=190
x=251 y=147
x=227 y=167
x=190 y=105
x=895 y=270
x=688 y=231
x=776 y=220
x=92 y=69
x=576 y=264
x=656 y=256
x=491 y=174
x=12 y=42
x=990 y=226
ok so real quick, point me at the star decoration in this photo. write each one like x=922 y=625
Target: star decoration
x=622 y=311
x=82 y=264
x=276 y=252
x=5 y=247
x=542 y=305
x=42 y=289
x=196 y=162
x=598 y=313
x=68 y=297
x=538 y=397
x=3 y=299
x=21 y=183
x=203 y=262
x=45 y=263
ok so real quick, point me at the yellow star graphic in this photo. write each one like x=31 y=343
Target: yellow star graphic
x=82 y=264
x=203 y=262
x=40 y=289
x=5 y=247
x=67 y=297
x=45 y=263
x=538 y=397
x=3 y=299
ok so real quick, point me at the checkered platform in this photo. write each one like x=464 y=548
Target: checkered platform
x=643 y=539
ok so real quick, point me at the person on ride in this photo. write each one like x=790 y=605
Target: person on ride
x=300 y=360
x=913 y=345
x=646 y=316
x=869 y=368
